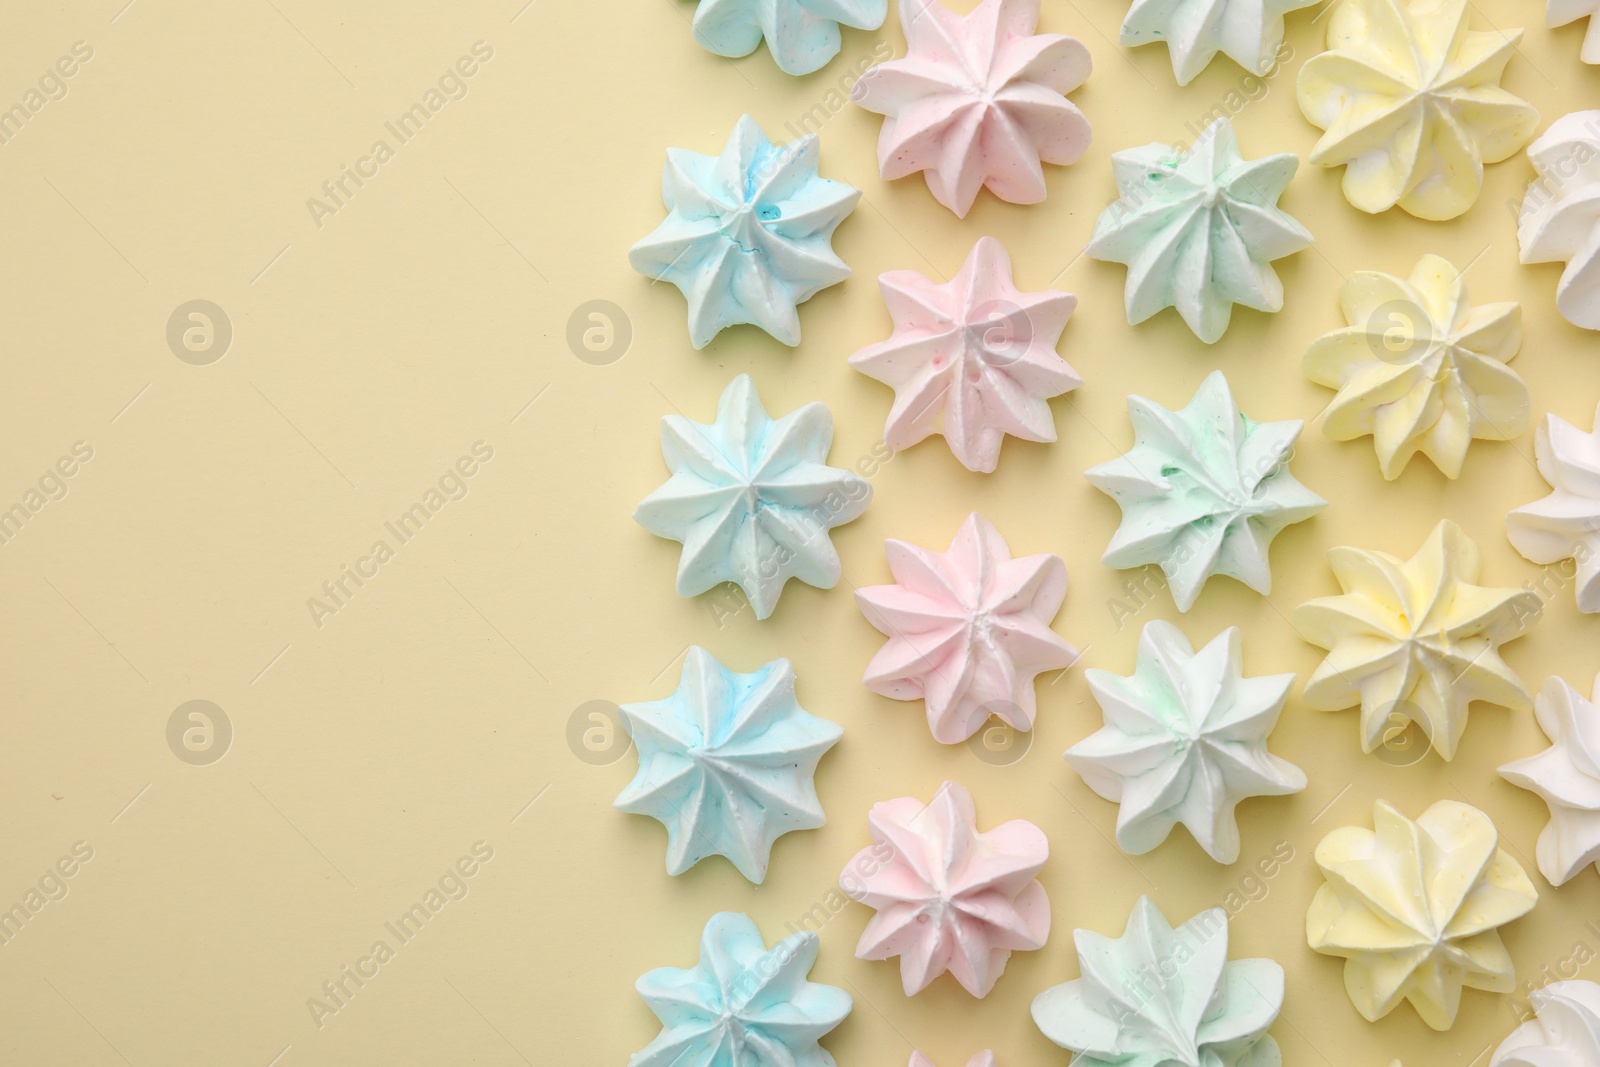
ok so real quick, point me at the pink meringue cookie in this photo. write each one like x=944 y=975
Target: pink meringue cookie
x=969 y=630
x=973 y=359
x=978 y=100
x=981 y=1059
x=948 y=897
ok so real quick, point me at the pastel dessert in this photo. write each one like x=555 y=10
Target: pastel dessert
x=1419 y=368
x=1415 y=639
x=1560 y=217
x=1566 y=776
x=752 y=499
x=1564 y=1032
x=981 y=1059
x=748 y=235
x=973 y=358
x=968 y=629
x=1249 y=32
x=1562 y=12
x=1566 y=524
x=726 y=763
x=1160 y=997
x=1184 y=741
x=1198 y=229
x=948 y=897
x=1415 y=908
x=978 y=100
x=743 y=1003
x=1203 y=491
x=802 y=35
x=1411 y=103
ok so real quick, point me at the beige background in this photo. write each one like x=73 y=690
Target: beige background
x=427 y=314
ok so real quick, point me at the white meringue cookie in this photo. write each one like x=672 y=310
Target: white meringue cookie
x=1560 y=217
x=1561 y=12
x=1565 y=524
x=1567 y=777
x=1565 y=1030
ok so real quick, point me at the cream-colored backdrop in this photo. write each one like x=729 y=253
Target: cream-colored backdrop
x=375 y=345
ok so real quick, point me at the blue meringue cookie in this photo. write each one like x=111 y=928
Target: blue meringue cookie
x=802 y=35
x=751 y=498
x=726 y=763
x=748 y=235
x=743 y=1004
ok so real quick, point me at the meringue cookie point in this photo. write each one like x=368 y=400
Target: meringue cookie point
x=1411 y=103
x=1560 y=216
x=979 y=100
x=1159 y=996
x=1562 y=12
x=1194 y=31
x=742 y=994
x=1566 y=776
x=1419 y=368
x=752 y=499
x=973 y=359
x=948 y=897
x=1185 y=739
x=1203 y=491
x=802 y=35
x=1565 y=1030
x=726 y=763
x=1199 y=229
x=1414 y=908
x=749 y=234
x=1565 y=524
x=968 y=629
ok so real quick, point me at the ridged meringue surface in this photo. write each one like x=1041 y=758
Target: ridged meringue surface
x=1566 y=523
x=1419 y=368
x=1184 y=741
x=1566 y=776
x=1411 y=103
x=1198 y=229
x=749 y=234
x=973 y=358
x=949 y=897
x=1415 y=638
x=1560 y=216
x=1203 y=491
x=978 y=100
x=802 y=35
x=1565 y=1030
x=1249 y=32
x=1561 y=12
x=752 y=499
x=1415 y=909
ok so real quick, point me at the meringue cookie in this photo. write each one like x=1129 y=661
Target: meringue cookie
x=1565 y=1031
x=1159 y=997
x=726 y=763
x=1415 y=639
x=1560 y=217
x=1415 y=909
x=743 y=1003
x=802 y=35
x=973 y=359
x=1203 y=491
x=1412 y=105
x=969 y=630
x=1561 y=12
x=981 y=1059
x=1565 y=524
x=1249 y=32
x=978 y=100
x=1567 y=777
x=749 y=234
x=1185 y=739
x=1199 y=229
x=1419 y=368
x=949 y=898
x=751 y=498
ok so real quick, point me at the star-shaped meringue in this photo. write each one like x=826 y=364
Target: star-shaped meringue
x=1412 y=105
x=1199 y=229
x=980 y=1059
x=969 y=630
x=726 y=763
x=973 y=359
x=1159 y=997
x=1185 y=739
x=1249 y=32
x=1415 y=909
x=802 y=35
x=1419 y=368
x=1566 y=776
x=748 y=235
x=751 y=498
x=978 y=100
x=947 y=896
x=742 y=1004
x=1561 y=12
x=1203 y=491
x=1415 y=638
x=1560 y=216
x=1565 y=1030
x=1565 y=524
